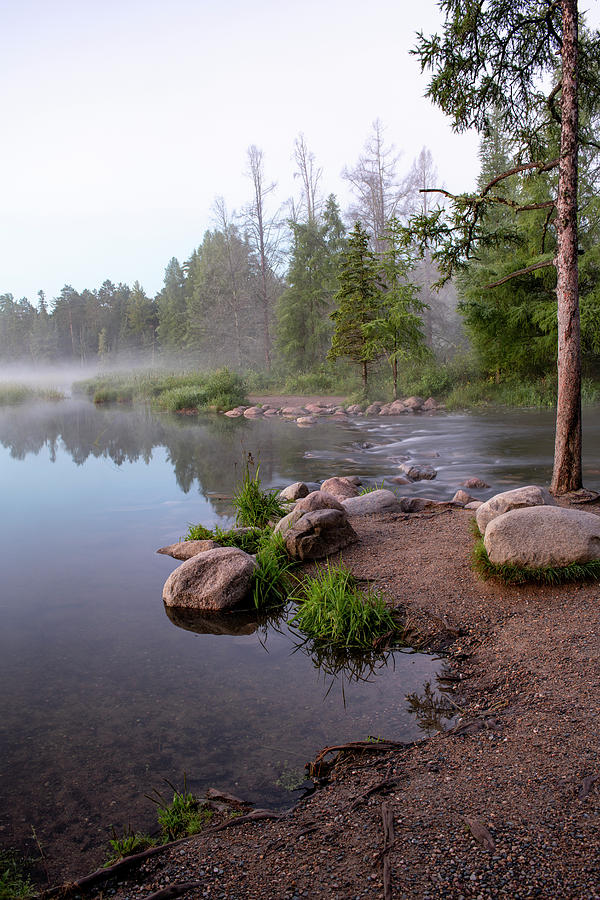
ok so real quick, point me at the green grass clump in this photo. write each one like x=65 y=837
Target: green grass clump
x=271 y=582
x=14 y=883
x=371 y=489
x=513 y=574
x=249 y=541
x=254 y=507
x=184 y=815
x=127 y=844
x=334 y=611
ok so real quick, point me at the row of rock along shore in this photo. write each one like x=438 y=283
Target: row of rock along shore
x=310 y=413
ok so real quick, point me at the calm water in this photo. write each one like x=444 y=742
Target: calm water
x=103 y=696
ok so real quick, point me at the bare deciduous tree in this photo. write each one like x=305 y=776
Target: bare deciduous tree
x=380 y=192
x=264 y=232
x=310 y=177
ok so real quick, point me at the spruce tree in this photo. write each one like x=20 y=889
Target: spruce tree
x=359 y=299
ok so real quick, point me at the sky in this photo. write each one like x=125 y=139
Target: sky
x=124 y=119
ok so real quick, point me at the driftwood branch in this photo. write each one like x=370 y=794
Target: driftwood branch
x=65 y=890
x=525 y=271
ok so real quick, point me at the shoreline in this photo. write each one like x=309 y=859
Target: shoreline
x=506 y=804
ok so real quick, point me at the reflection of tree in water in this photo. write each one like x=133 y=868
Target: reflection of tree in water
x=430 y=709
x=209 y=451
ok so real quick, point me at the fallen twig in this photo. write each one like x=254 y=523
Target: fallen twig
x=173 y=890
x=387 y=819
x=380 y=786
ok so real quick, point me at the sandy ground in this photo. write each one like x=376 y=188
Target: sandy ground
x=505 y=804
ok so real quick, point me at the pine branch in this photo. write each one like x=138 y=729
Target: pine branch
x=525 y=271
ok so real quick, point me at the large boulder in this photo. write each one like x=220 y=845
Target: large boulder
x=374 y=502
x=284 y=524
x=341 y=488
x=216 y=580
x=187 y=549
x=530 y=495
x=539 y=536
x=319 y=533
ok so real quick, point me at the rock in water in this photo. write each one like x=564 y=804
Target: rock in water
x=341 y=488
x=319 y=533
x=215 y=580
x=187 y=549
x=539 y=536
x=530 y=495
x=294 y=491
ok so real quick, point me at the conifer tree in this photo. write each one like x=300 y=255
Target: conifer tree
x=359 y=299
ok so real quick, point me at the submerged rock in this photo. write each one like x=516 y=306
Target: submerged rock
x=474 y=483
x=539 y=536
x=216 y=580
x=198 y=620
x=418 y=473
x=187 y=549
x=530 y=495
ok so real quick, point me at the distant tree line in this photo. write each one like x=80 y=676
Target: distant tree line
x=290 y=288
x=259 y=289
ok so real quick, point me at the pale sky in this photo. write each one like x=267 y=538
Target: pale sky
x=123 y=119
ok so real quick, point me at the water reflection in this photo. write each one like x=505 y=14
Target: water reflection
x=504 y=447
x=102 y=697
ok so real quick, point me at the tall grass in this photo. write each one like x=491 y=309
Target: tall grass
x=168 y=390
x=271 y=582
x=12 y=394
x=334 y=611
x=253 y=506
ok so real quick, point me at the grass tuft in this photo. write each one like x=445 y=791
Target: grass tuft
x=334 y=611
x=184 y=815
x=127 y=844
x=254 y=507
x=249 y=541
x=271 y=583
x=14 y=883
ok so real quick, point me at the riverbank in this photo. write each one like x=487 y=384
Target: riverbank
x=506 y=804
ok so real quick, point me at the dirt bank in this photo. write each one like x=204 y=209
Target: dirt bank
x=505 y=805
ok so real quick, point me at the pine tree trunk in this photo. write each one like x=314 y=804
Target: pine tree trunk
x=566 y=475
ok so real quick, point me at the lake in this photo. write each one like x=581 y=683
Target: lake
x=103 y=696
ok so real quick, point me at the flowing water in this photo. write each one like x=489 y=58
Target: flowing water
x=103 y=696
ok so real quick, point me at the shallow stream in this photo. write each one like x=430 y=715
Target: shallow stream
x=103 y=696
